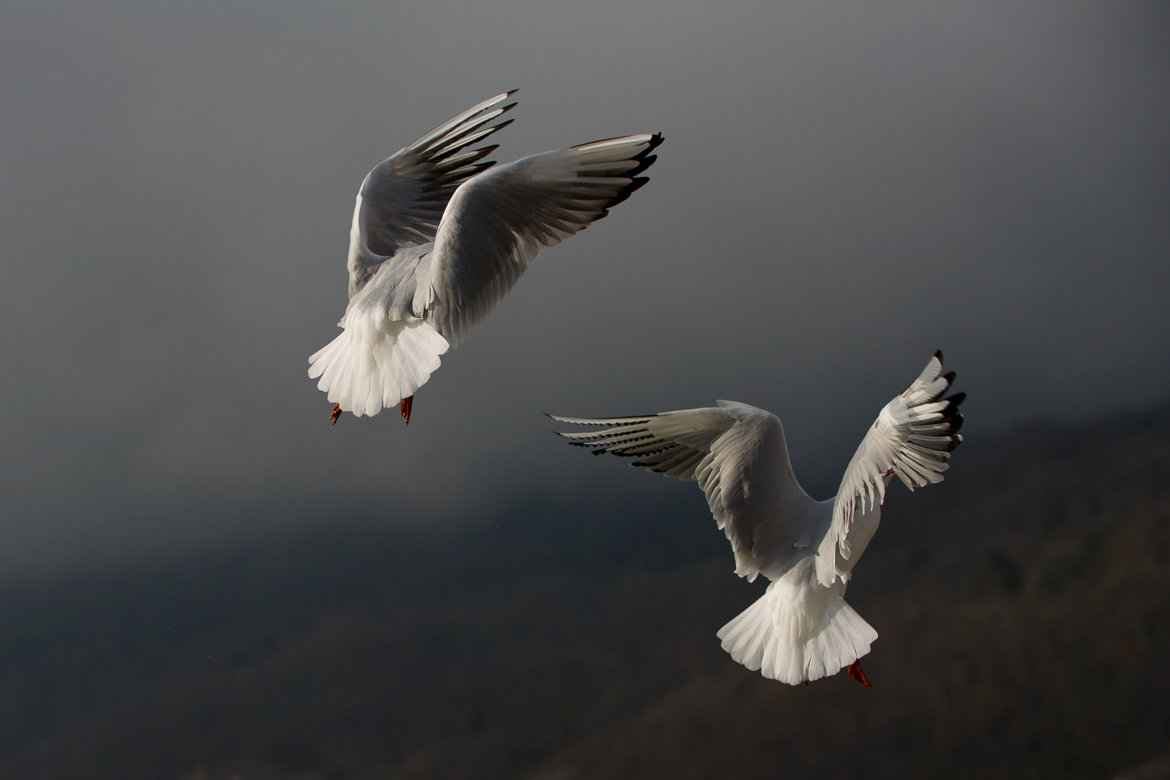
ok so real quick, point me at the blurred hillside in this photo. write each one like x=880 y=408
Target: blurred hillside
x=1023 y=607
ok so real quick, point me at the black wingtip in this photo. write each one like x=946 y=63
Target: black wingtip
x=938 y=354
x=654 y=142
x=626 y=192
x=511 y=92
x=644 y=157
x=508 y=107
x=949 y=377
x=643 y=164
x=955 y=400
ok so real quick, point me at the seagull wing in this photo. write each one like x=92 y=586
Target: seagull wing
x=912 y=438
x=498 y=222
x=403 y=198
x=738 y=455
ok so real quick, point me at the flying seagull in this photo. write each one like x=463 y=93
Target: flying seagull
x=801 y=629
x=439 y=236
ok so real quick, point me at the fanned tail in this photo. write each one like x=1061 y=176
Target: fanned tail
x=367 y=368
x=786 y=640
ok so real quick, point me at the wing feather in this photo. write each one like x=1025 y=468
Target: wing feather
x=911 y=439
x=736 y=453
x=499 y=221
x=404 y=196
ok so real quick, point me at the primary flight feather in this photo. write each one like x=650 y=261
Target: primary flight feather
x=439 y=236
x=801 y=629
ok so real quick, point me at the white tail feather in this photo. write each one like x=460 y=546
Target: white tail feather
x=372 y=365
x=793 y=635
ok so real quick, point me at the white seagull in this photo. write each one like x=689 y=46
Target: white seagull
x=439 y=237
x=801 y=629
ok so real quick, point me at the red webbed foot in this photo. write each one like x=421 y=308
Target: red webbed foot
x=336 y=413
x=404 y=408
x=857 y=675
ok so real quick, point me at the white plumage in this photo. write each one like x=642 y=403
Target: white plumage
x=439 y=237
x=801 y=629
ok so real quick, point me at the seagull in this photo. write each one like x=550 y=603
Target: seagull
x=439 y=236
x=801 y=629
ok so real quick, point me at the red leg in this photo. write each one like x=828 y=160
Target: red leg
x=404 y=408
x=335 y=413
x=857 y=675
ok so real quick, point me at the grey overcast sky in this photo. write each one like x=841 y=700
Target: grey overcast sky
x=844 y=188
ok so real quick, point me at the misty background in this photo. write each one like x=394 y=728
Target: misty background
x=843 y=189
x=202 y=579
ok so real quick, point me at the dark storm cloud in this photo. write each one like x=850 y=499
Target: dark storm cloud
x=842 y=191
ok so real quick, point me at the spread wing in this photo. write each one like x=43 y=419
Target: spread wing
x=738 y=455
x=912 y=439
x=403 y=198
x=498 y=222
